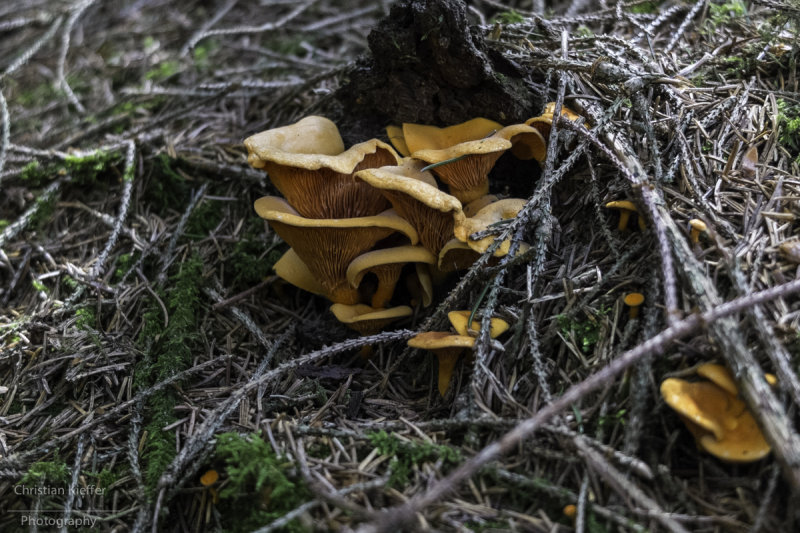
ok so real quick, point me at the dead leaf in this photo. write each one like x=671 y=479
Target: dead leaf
x=750 y=162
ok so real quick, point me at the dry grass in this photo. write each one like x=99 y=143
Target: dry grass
x=140 y=320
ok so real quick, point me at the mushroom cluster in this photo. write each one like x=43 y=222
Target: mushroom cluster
x=355 y=217
x=718 y=419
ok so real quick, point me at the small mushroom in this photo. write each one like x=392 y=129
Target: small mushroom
x=328 y=246
x=448 y=347
x=625 y=209
x=633 y=300
x=415 y=197
x=544 y=122
x=492 y=213
x=719 y=421
x=497 y=326
x=697 y=227
x=386 y=264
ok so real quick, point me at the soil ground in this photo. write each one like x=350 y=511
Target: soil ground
x=146 y=345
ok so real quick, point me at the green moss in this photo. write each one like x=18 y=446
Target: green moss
x=260 y=487
x=789 y=127
x=86 y=169
x=163 y=70
x=105 y=478
x=124 y=263
x=50 y=473
x=167 y=351
x=166 y=188
x=646 y=8
x=407 y=454
x=205 y=217
x=586 y=332
x=508 y=17
x=44 y=211
x=85 y=318
x=250 y=262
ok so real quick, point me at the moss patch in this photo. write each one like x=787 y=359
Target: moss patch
x=408 y=454
x=260 y=486
x=167 y=350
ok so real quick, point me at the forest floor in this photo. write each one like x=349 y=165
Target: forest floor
x=156 y=375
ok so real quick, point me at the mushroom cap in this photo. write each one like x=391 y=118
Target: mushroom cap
x=465 y=167
x=526 y=141
x=700 y=403
x=328 y=246
x=438 y=340
x=721 y=423
x=744 y=444
x=421 y=137
x=633 y=299
x=362 y=264
x=322 y=186
x=698 y=224
x=456 y=255
x=395 y=134
x=447 y=348
x=292 y=269
x=486 y=216
x=472 y=208
x=622 y=204
x=311 y=135
x=367 y=320
x=415 y=197
x=720 y=376
x=209 y=478
x=459 y=320
x=544 y=122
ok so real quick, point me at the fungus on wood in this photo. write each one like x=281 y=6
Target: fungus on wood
x=426 y=65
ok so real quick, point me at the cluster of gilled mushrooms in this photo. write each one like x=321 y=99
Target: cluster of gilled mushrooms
x=371 y=210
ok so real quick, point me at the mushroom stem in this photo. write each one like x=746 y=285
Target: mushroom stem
x=387 y=280
x=447 y=362
x=624 y=216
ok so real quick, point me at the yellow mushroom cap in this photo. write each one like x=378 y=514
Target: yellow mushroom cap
x=456 y=255
x=421 y=137
x=367 y=320
x=634 y=299
x=458 y=319
x=465 y=167
x=720 y=376
x=721 y=423
x=209 y=478
x=472 y=208
x=698 y=224
x=311 y=135
x=386 y=264
x=447 y=348
x=527 y=142
x=415 y=197
x=395 y=134
x=328 y=246
x=744 y=444
x=486 y=216
x=544 y=122
x=292 y=269
x=700 y=403
x=622 y=204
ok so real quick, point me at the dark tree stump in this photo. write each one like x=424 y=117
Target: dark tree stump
x=426 y=66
